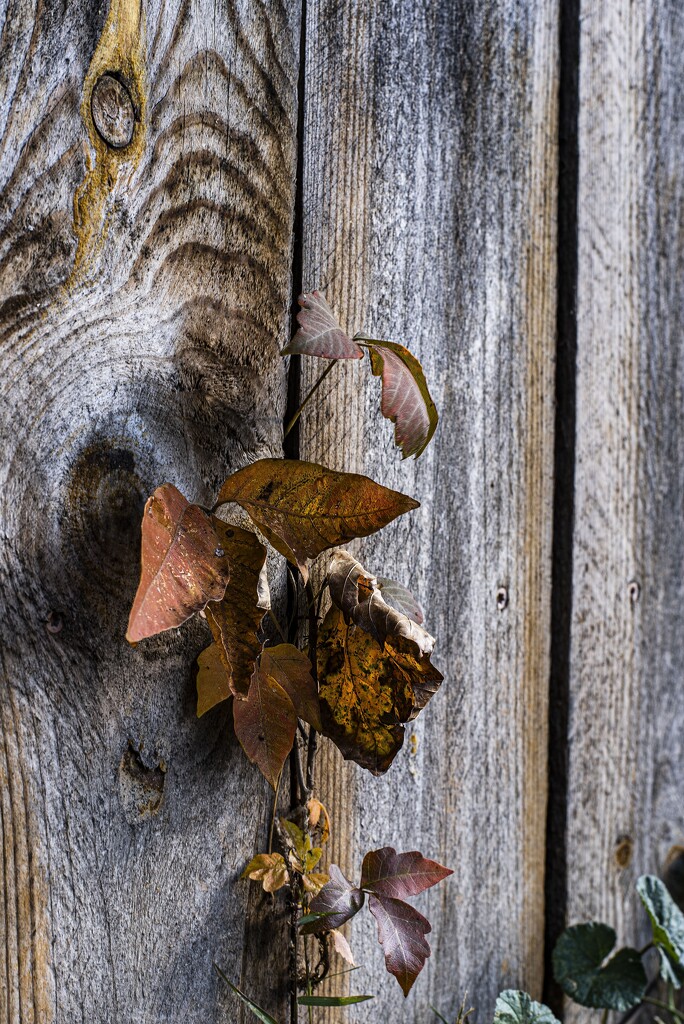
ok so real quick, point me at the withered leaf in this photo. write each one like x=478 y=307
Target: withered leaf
x=265 y=724
x=213 y=680
x=319 y=818
x=342 y=946
x=314 y=881
x=268 y=868
x=368 y=692
x=399 y=875
x=362 y=600
x=234 y=621
x=183 y=566
x=303 y=508
x=338 y=901
x=405 y=398
x=319 y=332
x=401 y=931
x=292 y=669
x=397 y=596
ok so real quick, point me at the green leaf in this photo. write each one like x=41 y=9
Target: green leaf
x=578 y=967
x=670 y=972
x=332 y=1000
x=513 y=1007
x=667 y=919
x=438 y=1014
x=256 y=1010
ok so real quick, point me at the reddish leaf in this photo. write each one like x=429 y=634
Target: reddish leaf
x=234 y=621
x=319 y=333
x=368 y=692
x=292 y=669
x=405 y=399
x=401 y=931
x=339 y=900
x=265 y=724
x=399 y=875
x=213 y=680
x=397 y=596
x=182 y=565
x=357 y=593
x=303 y=508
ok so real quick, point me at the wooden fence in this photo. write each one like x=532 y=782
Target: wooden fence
x=498 y=184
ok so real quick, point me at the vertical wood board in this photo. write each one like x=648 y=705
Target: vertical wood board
x=144 y=296
x=626 y=752
x=429 y=218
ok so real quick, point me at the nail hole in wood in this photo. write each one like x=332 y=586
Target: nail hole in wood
x=54 y=623
x=623 y=851
x=113 y=111
x=502 y=598
x=634 y=591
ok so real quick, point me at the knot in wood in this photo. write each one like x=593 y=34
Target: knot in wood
x=113 y=111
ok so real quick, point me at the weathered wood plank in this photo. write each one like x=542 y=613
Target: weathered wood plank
x=144 y=296
x=626 y=754
x=429 y=218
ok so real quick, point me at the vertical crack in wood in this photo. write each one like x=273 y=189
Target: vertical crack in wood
x=564 y=483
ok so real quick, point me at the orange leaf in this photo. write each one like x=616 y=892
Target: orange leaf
x=303 y=508
x=234 y=621
x=183 y=565
x=213 y=680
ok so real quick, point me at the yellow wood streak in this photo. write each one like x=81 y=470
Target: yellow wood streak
x=120 y=51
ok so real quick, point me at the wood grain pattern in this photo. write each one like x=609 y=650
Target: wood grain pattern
x=144 y=294
x=429 y=212
x=626 y=768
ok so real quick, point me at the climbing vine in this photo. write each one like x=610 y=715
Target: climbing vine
x=356 y=675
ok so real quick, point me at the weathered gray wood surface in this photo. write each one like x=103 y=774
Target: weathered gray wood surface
x=138 y=344
x=626 y=766
x=429 y=212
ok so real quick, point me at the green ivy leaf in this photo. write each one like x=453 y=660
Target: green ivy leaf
x=513 y=1007
x=256 y=1010
x=667 y=920
x=578 y=957
x=332 y=1000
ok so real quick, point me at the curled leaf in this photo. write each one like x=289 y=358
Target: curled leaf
x=319 y=332
x=400 y=875
x=405 y=398
x=581 y=968
x=265 y=724
x=292 y=669
x=399 y=597
x=319 y=818
x=337 y=901
x=303 y=508
x=368 y=692
x=183 y=565
x=342 y=947
x=213 y=680
x=235 y=620
x=268 y=868
x=401 y=932
x=357 y=593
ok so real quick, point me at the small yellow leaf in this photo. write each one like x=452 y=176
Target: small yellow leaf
x=313 y=883
x=269 y=869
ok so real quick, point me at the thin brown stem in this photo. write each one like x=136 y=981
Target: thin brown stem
x=275 y=813
x=310 y=395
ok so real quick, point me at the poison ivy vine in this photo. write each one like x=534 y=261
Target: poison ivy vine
x=362 y=672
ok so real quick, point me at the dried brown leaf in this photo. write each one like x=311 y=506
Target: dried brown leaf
x=182 y=565
x=342 y=947
x=362 y=601
x=292 y=669
x=303 y=508
x=268 y=868
x=368 y=692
